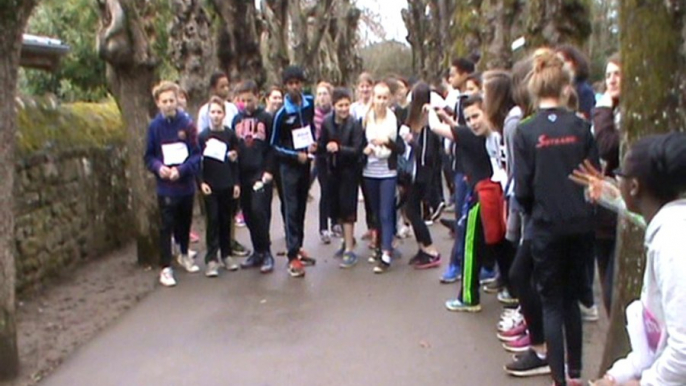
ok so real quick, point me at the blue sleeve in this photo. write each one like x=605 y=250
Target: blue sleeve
x=192 y=164
x=276 y=138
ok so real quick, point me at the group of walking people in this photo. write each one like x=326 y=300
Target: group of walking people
x=527 y=155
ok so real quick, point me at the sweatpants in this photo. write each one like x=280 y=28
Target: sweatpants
x=220 y=209
x=474 y=256
x=176 y=214
x=295 y=184
x=413 y=209
x=257 y=212
x=559 y=274
x=521 y=279
x=323 y=176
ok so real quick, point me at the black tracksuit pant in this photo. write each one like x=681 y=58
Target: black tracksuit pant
x=295 y=184
x=220 y=207
x=521 y=279
x=413 y=209
x=257 y=211
x=176 y=214
x=560 y=276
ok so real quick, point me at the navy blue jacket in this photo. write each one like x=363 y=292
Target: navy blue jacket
x=287 y=119
x=162 y=131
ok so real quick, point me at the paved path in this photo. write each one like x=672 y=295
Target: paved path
x=335 y=327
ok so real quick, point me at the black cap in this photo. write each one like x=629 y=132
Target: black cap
x=293 y=73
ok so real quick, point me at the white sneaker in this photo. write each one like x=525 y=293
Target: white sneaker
x=511 y=322
x=404 y=232
x=167 y=277
x=589 y=314
x=231 y=264
x=212 y=269
x=187 y=263
x=192 y=253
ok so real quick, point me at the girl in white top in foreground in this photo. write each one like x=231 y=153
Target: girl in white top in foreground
x=652 y=183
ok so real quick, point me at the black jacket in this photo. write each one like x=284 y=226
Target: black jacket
x=426 y=147
x=350 y=139
x=548 y=147
x=254 y=132
x=219 y=175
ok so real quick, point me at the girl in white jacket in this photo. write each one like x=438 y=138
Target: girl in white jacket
x=652 y=182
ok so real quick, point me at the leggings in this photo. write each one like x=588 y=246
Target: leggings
x=521 y=274
x=413 y=210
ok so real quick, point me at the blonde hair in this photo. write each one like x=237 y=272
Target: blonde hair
x=548 y=77
x=163 y=87
x=326 y=85
x=370 y=116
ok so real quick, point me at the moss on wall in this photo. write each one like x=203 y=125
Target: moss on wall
x=43 y=124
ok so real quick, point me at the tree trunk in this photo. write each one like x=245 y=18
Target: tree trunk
x=238 y=42
x=274 y=38
x=552 y=22
x=123 y=42
x=192 y=50
x=13 y=17
x=502 y=25
x=653 y=47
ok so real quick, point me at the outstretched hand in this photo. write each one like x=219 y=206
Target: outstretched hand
x=593 y=180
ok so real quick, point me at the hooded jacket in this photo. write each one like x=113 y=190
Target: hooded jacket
x=256 y=154
x=664 y=296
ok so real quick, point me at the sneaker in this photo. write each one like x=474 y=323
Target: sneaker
x=416 y=259
x=337 y=231
x=325 y=237
x=438 y=212
x=452 y=274
x=253 y=261
x=506 y=298
x=510 y=322
x=193 y=237
x=381 y=266
x=528 y=365
x=212 y=269
x=429 y=222
x=267 y=263
x=238 y=250
x=404 y=232
x=305 y=258
x=589 y=314
x=487 y=276
x=375 y=256
x=522 y=344
x=167 y=277
x=231 y=264
x=340 y=251
x=349 y=260
x=240 y=220
x=450 y=208
x=187 y=263
x=192 y=253
x=493 y=287
x=296 y=268
x=456 y=305
x=429 y=261
x=512 y=334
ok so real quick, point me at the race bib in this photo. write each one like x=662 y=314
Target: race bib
x=302 y=138
x=215 y=149
x=174 y=153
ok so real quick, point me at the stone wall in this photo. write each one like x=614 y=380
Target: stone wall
x=71 y=197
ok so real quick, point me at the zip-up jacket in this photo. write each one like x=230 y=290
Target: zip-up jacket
x=170 y=131
x=427 y=152
x=289 y=118
x=547 y=148
x=254 y=132
x=350 y=139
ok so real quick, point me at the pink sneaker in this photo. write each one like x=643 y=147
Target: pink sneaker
x=522 y=344
x=512 y=334
x=194 y=237
x=240 y=221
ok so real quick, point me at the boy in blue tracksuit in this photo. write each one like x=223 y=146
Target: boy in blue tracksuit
x=172 y=154
x=292 y=139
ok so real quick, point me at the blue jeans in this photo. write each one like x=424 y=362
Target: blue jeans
x=461 y=191
x=381 y=194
